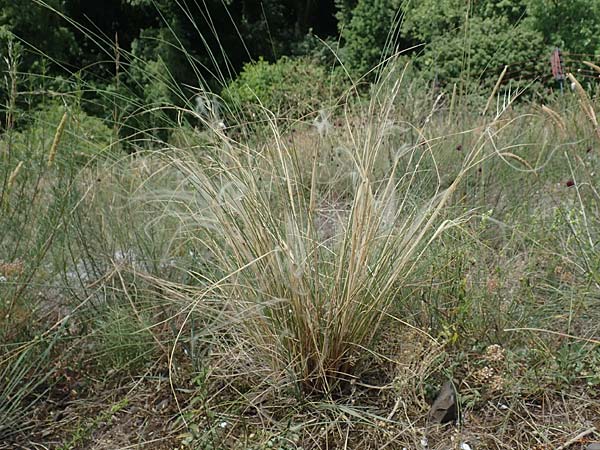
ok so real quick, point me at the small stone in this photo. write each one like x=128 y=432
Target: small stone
x=444 y=408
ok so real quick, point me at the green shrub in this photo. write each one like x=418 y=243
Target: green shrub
x=478 y=57
x=366 y=34
x=573 y=26
x=289 y=88
x=84 y=137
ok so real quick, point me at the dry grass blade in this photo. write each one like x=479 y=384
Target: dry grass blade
x=556 y=118
x=592 y=65
x=516 y=157
x=585 y=103
x=495 y=90
x=577 y=438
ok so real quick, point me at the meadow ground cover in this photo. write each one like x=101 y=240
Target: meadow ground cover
x=302 y=281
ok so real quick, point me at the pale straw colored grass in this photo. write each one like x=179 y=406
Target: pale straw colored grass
x=556 y=119
x=585 y=103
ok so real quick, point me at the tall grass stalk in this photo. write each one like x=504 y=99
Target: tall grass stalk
x=11 y=181
x=585 y=103
x=56 y=141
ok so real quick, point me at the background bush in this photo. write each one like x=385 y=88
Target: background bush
x=288 y=87
x=84 y=137
x=371 y=24
x=477 y=54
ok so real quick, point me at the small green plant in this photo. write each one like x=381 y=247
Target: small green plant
x=26 y=377
x=122 y=341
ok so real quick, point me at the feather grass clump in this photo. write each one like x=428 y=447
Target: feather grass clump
x=304 y=306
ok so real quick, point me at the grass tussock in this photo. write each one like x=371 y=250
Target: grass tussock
x=309 y=304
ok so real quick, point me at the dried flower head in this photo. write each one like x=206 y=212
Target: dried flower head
x=492 y=285
x=8 y=269
x=13 y=176
x=484 y=375
x=494 y=353
x=496 y=383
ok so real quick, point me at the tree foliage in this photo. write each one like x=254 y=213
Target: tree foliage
x=427 y=19
x=167 y=50
x=477 y=55
x=370 y=34
x=40 y=31
x=572 y=25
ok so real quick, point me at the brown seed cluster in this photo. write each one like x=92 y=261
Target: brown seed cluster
x=564 y=275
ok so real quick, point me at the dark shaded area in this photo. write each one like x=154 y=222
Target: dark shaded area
x=233 y=32
x=192 y=40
